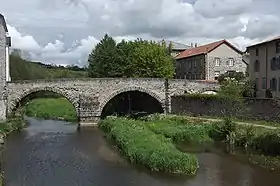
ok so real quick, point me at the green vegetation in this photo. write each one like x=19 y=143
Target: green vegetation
x=51 y=108
x=179 y=128
x=27 y=70
x=12 y=124
x=137 y=58
x=151 y=141
x=142 y=146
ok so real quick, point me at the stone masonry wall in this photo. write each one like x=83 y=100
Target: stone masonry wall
x=239 y=65
x=2 y=72
x=256 y=109
x=89 y=96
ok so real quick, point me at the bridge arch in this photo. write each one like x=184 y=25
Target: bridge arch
x=115 y=93
x=208 y=91
x=15 y=102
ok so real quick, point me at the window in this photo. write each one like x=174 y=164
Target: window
x=273 y=65
x=263 y=83
x=198 y=76
x=193 y=76
x=278 y=47
x=277 y=63
x=273 y=84
x=257 y=83
x=217 y=62
x=190 y=64
x=257 y=52
x=231 y=62
x=278 y=84
x=198 y=63
x=194 y=63
x=217 y=74
x=257 y=66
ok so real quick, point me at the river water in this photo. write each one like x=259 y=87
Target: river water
x=56 y=153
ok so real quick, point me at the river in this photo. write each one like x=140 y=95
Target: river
x=56 y=153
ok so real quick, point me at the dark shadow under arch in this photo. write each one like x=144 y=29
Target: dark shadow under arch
x=133 y=102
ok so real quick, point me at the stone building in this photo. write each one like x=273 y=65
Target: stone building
x=208 y=62
x=264 y=66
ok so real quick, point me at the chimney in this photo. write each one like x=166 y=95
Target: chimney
x=191 y=45
x=195 y=45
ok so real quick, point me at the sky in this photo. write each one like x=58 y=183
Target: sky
x=65 y=31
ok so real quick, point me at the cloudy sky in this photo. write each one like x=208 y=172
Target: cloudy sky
x=65 y=31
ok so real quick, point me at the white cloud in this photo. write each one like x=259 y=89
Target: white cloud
x=65 y=31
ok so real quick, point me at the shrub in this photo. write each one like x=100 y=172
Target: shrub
x=268 y=143
x=220 y=130
x=142 y=146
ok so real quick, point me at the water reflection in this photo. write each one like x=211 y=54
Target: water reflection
x=55 y=153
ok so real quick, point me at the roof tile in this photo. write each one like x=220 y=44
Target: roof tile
x=204 y=49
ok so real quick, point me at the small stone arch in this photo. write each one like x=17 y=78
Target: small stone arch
x=28 y=92
x=128 y=89
x=208 y=90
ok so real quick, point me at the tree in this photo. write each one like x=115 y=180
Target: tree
x=137 y=58
x=103 y=58
x=151 y=59
x=239 y=76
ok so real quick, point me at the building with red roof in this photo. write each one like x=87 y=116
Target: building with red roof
x=209 y=61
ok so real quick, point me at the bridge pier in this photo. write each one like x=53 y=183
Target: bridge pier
x=89 y=121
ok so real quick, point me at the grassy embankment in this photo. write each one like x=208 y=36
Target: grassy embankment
x=150 y=142
x=51 y=108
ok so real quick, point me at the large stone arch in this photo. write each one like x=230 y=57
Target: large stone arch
x=160 y=99
x=73 y=100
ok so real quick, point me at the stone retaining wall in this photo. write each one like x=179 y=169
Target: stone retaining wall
x=257 y=109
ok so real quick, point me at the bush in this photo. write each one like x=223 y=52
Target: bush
x=142 y=146
x=264 y=141
x=268 y=143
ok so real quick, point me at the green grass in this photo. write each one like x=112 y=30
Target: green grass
x=142 y=146
x=51 y=108
x=179 y=128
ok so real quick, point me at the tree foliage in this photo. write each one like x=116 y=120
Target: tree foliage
x=239 y=76
x=236 y=83
x=137 y=58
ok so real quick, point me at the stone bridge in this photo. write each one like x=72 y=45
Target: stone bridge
x=89 y=96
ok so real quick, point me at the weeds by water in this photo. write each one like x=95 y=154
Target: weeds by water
x=149 y=141
x=12 y=124
x=142 y=146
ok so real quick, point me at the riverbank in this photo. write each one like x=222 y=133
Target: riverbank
x=51 y=108
x=12 y=124
x=151 y=141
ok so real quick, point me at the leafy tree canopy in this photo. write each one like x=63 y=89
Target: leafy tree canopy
x=137 y=58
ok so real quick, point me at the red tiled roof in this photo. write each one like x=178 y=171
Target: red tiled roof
x=204 y=49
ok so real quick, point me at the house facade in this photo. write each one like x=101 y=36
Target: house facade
x=5 y=43
x=208 y=62
x=264 y=66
